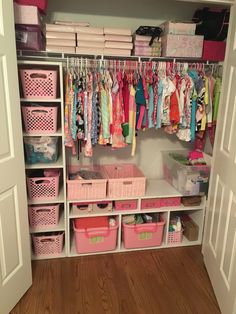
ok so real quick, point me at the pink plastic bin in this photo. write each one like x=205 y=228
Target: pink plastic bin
x=95 y=239
x=43 y=187
x=143 y=235
x=125 y=180
x=43 y=215
x=175 y=237
x=126 y=205
x=40 y=119
x=39 y=84
x=86 y=189
x=150 y=203
x=49 y=244
x=170 y=201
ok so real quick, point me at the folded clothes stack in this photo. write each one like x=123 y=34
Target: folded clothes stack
x=142 y=48
x=61 y=36
x=118 y=41
x=90 y=40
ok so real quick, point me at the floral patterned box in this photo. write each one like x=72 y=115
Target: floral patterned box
x=182 y=46
x=170 y=27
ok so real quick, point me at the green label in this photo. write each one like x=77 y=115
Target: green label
x=145 y=236
x=95 y=240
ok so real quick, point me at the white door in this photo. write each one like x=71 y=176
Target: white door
x=15 y=261
x=219 y=247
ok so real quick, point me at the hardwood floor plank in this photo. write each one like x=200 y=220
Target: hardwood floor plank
x=144 y=282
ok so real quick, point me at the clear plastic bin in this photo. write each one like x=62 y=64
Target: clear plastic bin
x=41 y=149
x=188 y=180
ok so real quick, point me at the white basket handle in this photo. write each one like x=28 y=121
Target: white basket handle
x=38 y=75
x=38 y=112
x=40 y=181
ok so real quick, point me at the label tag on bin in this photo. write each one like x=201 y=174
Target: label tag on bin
x=145 y=236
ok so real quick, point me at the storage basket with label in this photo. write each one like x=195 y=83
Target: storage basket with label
x=40 y=119
x=38 y=83
x=48 y=243
x=125 y=180
x=143 y=235
x=41 y=149
x=94 y=239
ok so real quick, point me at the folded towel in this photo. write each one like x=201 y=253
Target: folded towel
x=90 y=37
x=117 y=31
x=83 y=24
x=117 y=52
x=118 y=45
x=60 y=49
x=89 y=30
x=94 y=44
x=60 y=28
x=60 y=35
x=122 y=38
x=61 y=42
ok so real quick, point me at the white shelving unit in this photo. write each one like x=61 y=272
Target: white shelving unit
x=59 y=164
x=155 y=189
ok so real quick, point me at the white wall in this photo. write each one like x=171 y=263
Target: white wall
x=121 y=13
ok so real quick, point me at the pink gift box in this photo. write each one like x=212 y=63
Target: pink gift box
x=214 y=50
x=182 y=46
x=178 y=28
x=26 y=14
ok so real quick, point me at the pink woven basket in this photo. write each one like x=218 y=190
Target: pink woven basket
x=49 y=244
x=40 y=119
x=43 y=215
x=43 y=187
x=39 y=84
x=125 y=180
x=175 y=237
x=86 y=189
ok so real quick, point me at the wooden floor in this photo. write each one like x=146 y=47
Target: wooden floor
x=167 y=281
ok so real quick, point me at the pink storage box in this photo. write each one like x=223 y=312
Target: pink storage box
x=125 y=180
x=102 y=206
x=126 y=205
x=49 y=244
x=29 y=37
x=214 y=50
x=178 y=28
x=175 y=237
x=84 y=207
x=86 y=189
x=150 y=203
x=25 y=14
x=182 y=46
x=143 y=235
x=43 y=215
x=39 y=84
x=41 y=4
x=43 y=187
x=170 y=201
x=95 y=239
x=40 y=119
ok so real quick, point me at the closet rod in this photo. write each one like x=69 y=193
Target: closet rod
x=62 y=57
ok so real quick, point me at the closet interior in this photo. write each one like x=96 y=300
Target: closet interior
x=117 y=147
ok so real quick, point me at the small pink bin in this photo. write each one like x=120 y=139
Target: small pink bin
x=175 y=237
x=39 y=84
x=48 y=244
x=95 y=239
x=126 y=205
x=170 y=202
x=43 y=187
x=125 y=180
x=143 y=235
x=150 y=203
x=43 y=215
x=82 y=189
x=40 y=119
